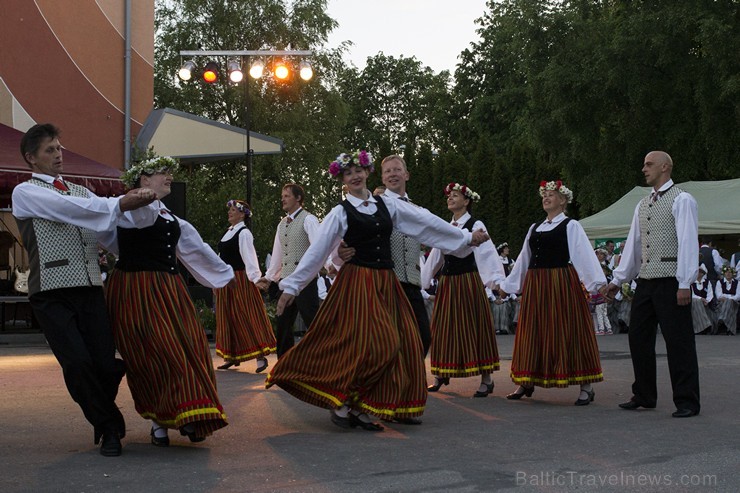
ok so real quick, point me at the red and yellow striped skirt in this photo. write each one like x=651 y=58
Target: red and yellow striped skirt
x=363 y=349
x=243 y=329
x=168 y=361
x=555 y=345
x=463 y=336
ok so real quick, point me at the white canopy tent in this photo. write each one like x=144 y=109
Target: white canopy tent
x=719 y=210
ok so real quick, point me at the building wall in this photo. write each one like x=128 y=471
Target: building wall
x=63 y=62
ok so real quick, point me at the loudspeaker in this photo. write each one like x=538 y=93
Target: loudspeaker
x=175 y=201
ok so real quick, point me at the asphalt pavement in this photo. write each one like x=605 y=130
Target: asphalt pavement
x=276 y=443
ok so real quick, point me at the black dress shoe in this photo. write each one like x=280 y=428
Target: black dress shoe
x=226 y=365
x=515 y=396
x=111 y=444
x=340 y=421
x=588 y=400
x=407 y=421
x=262 y=368
x=355 y=421
x=159 y=442
x=191 y=435
x=632 y=404
x=489 y=390
x=438 y=382
x=684 y=413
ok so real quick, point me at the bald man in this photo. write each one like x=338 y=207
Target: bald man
x=661 y=251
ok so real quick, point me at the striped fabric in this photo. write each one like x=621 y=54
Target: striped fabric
x=168 y=361
x=555 y=345
x=362 y=349
x=727 y=314
x=463 y=336
x=700 y=315
x=243 y=329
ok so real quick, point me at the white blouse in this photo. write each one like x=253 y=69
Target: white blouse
x=728 y=284
x=246 y=250
x=408 y=219
x=489 y=264
x=581 y=256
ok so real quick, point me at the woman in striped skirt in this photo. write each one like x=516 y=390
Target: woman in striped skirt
x=555 y=345
x=463 y=334
x=363 y=354
x=157 y=331
x=243 y=329
x=701 y=296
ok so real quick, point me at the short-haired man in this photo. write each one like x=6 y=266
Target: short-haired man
x=59 y=222
x=294 y=235
x=661 y=251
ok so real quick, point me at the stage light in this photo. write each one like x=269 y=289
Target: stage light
x=186 y=71
x=258 y=66
x=235 y=71
x=305 y=70
x=210 y=73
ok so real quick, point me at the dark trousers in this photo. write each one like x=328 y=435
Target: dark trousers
x=75 y=323
x=655 y=303
x=413 y=293
x=307 y=304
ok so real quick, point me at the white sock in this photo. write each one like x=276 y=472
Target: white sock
x=342 y=412
x=585 y=389
x=159 y=430
x=486 y=379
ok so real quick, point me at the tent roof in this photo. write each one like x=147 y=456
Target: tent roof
x=101 y=179
x=719 y=210
x=194 y=139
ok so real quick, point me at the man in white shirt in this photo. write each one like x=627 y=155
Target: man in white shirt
x=661 y=251
x=295 y=233
x=60 y=222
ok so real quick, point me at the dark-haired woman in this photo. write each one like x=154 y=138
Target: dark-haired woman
x=363 y=354
x=243 y=329
x=463 y=335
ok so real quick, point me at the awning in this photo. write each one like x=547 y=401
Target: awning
x=98 y=178
x=194 y=139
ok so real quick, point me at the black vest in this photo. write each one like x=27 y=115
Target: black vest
x=704 y=288
x=370 y=236
x=149 y=249
x=733 y=287
x=454 y=266
x=706 y=258
x=230 y=253
x=549 y=248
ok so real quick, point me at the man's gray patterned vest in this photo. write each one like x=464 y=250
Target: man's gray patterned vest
x=659 y=239
x=60 y=255
x=405 y=252
x=294 y=240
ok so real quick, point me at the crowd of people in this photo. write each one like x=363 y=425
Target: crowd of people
x=374 y=306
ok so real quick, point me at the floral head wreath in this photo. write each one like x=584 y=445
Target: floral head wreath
x=558 y=187
x=463 y=189
x=728 y=268
x=501 y=247
x=239 y=205
x=359 y=158
x=148 y=167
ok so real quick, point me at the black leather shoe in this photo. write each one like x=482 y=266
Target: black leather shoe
x=262 y=368
x=438 y=382
x=515 y=396
x=489 y=390
x=226 y=365
x=586 y=401
x=355 y=421
x=684 y=413
x=111 y=444
x=191 y=435
x=340 y=421
x=159 y=442
x=632 y=404
x=407 y=421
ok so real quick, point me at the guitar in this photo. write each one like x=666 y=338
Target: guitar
x=21 y=281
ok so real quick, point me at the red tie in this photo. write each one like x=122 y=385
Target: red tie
x=59 y=185
x=289 y=220
x=454 y=224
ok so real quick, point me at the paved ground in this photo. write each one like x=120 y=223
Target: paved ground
x=277 y=443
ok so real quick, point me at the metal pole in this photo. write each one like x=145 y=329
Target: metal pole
x=250 y=152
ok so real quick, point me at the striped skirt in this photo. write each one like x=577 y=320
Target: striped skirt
x=700 y=315
x=243 y=329
x=555 y=345
x=727 y=314
x=363 y=349
x=463 y=335
x=168 y=361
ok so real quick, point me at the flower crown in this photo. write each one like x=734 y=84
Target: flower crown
x=463 y=189
x=558 y=187
x=239 y=205
x=728 y=268
x=359 y=158
x=148 y=167
x=501 y=246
